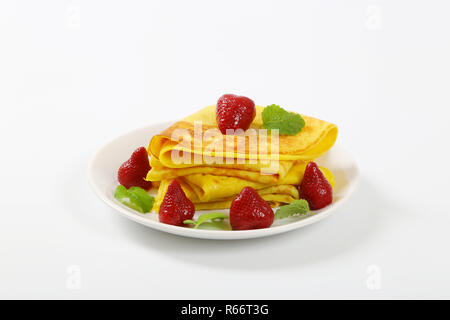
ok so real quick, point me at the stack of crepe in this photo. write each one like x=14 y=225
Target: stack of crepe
x=215 y=185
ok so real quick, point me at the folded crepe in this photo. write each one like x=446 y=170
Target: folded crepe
x=212 y=174
x=316 y=138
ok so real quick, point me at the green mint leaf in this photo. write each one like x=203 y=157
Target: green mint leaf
x=295 y=207
x=288 y=123
x=122 y=195
x=211 y=218
x=216 y=225
x=144 y=199
x=135 y=198
x=121 y=192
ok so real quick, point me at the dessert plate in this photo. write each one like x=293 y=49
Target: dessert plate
x=103 y=179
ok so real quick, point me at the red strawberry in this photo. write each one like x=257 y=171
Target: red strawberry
x=133 y=171
x=176 y=207
x=234 y=112
x=315 y=188
x=249 y=211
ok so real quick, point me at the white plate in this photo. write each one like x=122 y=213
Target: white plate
x=103 y=179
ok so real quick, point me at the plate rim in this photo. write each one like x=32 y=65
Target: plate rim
x=213 y=234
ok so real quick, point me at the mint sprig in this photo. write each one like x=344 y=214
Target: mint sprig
x=299 y=207
x=288 y=123
x=136 y=198
x=212 y=217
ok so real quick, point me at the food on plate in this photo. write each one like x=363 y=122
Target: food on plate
x=249 y=211
x=176 y=207
x=232 y=155
x=132 y=172
x=212 y=186
x=315 y=188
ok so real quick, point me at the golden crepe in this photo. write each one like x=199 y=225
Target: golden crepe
x=212 y=174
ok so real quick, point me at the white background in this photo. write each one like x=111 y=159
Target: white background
x=76 y=74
